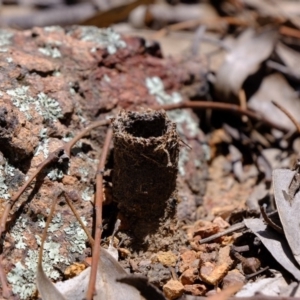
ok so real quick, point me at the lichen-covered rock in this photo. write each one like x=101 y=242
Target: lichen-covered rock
x=53 y=83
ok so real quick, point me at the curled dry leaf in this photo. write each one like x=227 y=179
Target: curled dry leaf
x=276 y=244
x=275 y=88
x=46 y=288
x=248 y=52
x=288 y=208
x=265 y=286
x=107 y=288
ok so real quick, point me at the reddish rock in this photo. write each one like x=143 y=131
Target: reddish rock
x=189 y=276
x=187 y=259
x=232 y=278
x=195 y=289
x=173 y=289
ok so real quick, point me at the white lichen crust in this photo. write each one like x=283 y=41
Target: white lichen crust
x=23 y=276
x=47 y=107
x=105 y=38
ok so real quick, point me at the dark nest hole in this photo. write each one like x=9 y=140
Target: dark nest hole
x=145 y=125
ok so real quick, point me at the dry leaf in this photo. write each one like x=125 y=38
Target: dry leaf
x=290 y=57
x=249 y=51
x=288 y=210
x=46 y=288
x=265 y=286
x=276 y=244
x=275 y=88
x=109 y=270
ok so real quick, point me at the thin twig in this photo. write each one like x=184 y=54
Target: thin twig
x=220 y=106
x=6 y=292
x=269 y=221
x=98 y=210
x=231 y=229
x=288 y=31
x=249 y=276
x=53 y=156
x=84 y=132
x=195 y=23
x=288 y=114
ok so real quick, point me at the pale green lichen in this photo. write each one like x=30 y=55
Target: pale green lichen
x=106 y=78
x=182 y=118
x=23 y=276
x=9 y=60
x=53 y=28
x=76 y=236
x=5 y=170
x=47 y=107
x=87 y=194
x=50 y=51
x=43 y=145
x=104 y=38
x=22 y=100
x=5 y=39
x=55 y=174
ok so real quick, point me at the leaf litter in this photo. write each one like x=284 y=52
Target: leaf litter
x=212 y=248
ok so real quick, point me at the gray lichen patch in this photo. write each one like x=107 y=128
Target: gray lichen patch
x=6 y=171
x=186 y=125
x=50 y=51
x=104 y=38
x=182 y=118
x=22 y=276
x=5 y=39
x=47 y=107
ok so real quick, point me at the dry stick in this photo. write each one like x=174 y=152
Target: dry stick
x=288 y=114
x=220 y=106
x=249 y=276
x=84 y=132
x=231 y=229
x=194 y=23
x=54 y=155
x=69 y=201
x=98 y=210
x=269 y=221
x=6 y=293
x=288 y=31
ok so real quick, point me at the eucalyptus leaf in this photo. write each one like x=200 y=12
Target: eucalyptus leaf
x=248 y=52
x=276 y=244
x=288 y=209
x=107 y=288
x=46 y=288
